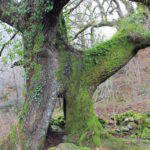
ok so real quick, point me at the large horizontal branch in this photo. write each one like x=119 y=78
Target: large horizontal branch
x=105 y=59
x=110 y=57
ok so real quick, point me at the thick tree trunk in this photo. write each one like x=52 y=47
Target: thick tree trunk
x=45 y=89
x=41 y=64
x=94 y=67
x=40 y=110
x=42 y=92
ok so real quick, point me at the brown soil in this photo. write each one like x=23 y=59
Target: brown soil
x=54 y=138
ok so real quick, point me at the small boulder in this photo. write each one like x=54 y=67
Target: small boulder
x=129 y=127
x=124 y=129
x=118 y=130
x=130 y=119
x=126 y=119
x=133 y=125
x=111 y=122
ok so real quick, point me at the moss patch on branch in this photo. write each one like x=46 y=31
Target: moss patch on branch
x=102 y=60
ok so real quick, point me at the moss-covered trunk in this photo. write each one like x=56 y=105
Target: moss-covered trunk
x=93 y=67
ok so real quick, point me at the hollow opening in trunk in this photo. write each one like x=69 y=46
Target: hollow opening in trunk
x=56 y=131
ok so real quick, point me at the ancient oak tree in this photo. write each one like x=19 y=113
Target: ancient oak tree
x=53 y=67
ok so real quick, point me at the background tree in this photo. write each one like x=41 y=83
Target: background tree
x=53 y=67
x=88 y=18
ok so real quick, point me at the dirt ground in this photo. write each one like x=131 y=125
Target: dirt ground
x=7 y=119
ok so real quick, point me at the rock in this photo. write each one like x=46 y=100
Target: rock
x=130 y=119
x=118 y=130
x=56 y=128
x=129 y=127
x=126 y=120
x=124 y=129
x=133 y=125
x=111 y=122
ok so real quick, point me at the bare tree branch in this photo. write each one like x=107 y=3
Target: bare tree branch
x=72 y=9
x=5 y=44
x=94 y=25
x=128 y=6
x=16 y=63
x=119 y=11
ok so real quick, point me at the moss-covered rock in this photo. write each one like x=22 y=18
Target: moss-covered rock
x=132 y=123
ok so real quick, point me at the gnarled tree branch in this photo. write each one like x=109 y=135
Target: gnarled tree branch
x=72 y=9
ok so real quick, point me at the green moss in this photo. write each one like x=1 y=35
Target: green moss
x=124 y=144
x=13 y=138
x=114 y=143
x=96 y=140
x=82 y=123
x=146 y=133
x=36 y=87
x=96 y=65
x=140 y=123
x=102 y=59
x=23 y=114
x=60 y=73
x=39 y=39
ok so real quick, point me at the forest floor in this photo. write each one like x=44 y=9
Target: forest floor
x=7 y=119
x=103 y=111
